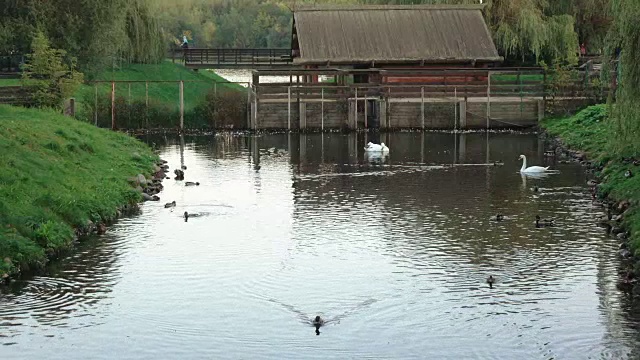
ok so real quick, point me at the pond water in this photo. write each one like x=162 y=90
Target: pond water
x=394 y=253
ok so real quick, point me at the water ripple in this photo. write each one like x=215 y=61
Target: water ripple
x=393 y=255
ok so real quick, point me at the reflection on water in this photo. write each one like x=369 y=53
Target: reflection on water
x=393 y=252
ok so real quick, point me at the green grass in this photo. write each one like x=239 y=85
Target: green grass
x=164 y=104
x=10 y=82
x=57 y=173
x=514 y=78
x=196 y=86
x=591 y=131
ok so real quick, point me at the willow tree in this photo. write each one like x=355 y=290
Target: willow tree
x=624 y=45
x=524 y=29
x=145 y=41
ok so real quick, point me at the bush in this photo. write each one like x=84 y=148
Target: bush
x=224 y=109
x=50 y=81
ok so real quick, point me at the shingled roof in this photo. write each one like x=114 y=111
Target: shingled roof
x=393 y=34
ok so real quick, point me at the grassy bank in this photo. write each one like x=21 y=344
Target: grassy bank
x=163 y=106
x=591 y=131
x=57 y=173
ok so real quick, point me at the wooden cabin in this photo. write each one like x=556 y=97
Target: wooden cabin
x=393 y=37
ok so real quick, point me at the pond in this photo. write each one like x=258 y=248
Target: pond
x=392 y=252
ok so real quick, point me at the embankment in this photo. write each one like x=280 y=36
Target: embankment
x=147 y=97
x=60 y=177
x=589 y=134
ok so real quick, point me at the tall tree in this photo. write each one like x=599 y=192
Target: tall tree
x=624 y=45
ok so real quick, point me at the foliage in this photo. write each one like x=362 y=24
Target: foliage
x=522 y=28
x=131 y=110
x=624 y=38
x=46 y=74
x=57 y=173
x=590 y=130
x=225 y=110
x=96 y=32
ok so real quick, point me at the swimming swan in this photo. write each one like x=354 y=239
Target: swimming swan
x=531 y=169
x=376 y=147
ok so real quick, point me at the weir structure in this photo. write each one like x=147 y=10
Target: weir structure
x=426 y=99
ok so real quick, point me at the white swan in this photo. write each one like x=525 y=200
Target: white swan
x=376 y=148
x=531 y=169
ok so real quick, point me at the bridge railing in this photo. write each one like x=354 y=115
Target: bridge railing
x=235 y=57
x=433 y=83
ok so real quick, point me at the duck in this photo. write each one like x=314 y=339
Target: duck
x=531 y=169
x=544 y=223
x=628 y=174
x=190 y=183
x=376 y=147
x=592 y=183
x=170 y=205
x=499 y=217
x=318 y=321
x=184 y=167
x=491 y=280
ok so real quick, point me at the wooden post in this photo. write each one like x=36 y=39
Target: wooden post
x=249 y=106
x=255 y=108
x=181 y=105
x=289 y=108
x=146 y=103
x=366 y=105
x=544 y=87
x=463 y=114
x=129 y=104
x=95 y=115
x=455 y=108
x=355 y=110
x=215 y=88
x=422 y=106
x=113 y=105
x=322 y=108
x=302 y=115
x=488 y=98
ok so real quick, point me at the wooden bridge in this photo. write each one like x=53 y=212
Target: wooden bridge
x=256 y=59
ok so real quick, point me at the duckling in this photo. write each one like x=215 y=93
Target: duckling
x=170 y=205
x=544 y=223
x=592 y=183
x=628 y=174
x=499 y=217
x=491 y=280
x=190 y=183
x=318 y=322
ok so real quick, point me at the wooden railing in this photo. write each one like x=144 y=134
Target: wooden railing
x=11 y=63
x=14 y=95
x=234 y=58
x=449 y=83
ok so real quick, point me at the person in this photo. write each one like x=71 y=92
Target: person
x=185 y=42
x=583 y=50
